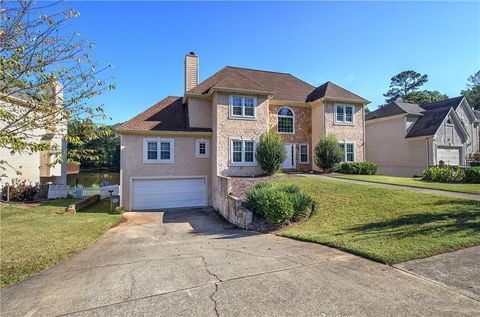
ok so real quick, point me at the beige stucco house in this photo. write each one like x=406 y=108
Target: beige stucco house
x=404 y=138
x=37 y=167
x=172 y=153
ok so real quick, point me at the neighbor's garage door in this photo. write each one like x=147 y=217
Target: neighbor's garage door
x=168 y=193
x=450 y=156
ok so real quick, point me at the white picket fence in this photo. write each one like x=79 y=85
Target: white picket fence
x=84 y=192
x=62 y=191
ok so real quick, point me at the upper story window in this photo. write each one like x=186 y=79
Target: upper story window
x=303 y=153
x=348 y=151
x=242 y=152
x=286 y=120
x=158 y=150
x=201 y=148
x=344 y=114
x=243 y=107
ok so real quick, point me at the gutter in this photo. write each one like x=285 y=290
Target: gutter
x=165 y=133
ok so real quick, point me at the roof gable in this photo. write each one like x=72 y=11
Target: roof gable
x=429 y=123
x=332 y=91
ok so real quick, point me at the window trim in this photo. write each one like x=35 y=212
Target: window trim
x=242 y=163
x=300 y=153
x=344 y=107
x=197 y=148
x=242 y=116
x=283 y=116
x=158 y=141
x=345 y=152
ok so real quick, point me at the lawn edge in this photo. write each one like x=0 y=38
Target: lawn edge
x=121 y=219
x=411 y=186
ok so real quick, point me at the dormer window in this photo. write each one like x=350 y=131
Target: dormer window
x=243 y=107
x=286 y=120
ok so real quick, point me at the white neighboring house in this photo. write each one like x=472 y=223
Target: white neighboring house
x=34 y=167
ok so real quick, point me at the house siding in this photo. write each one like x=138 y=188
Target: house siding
x=347 y=133
x=302 y=131
x=387 y=146
x=226 y=128
x=200 y=112
x=185 y=163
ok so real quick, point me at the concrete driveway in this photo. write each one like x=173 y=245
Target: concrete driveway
x=192 y=263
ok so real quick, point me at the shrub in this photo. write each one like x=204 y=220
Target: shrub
x=328 y=153
x=472 y=175
x=278 y=209
x=270 y=152
x=257 y=198
x=289 y=188
x=118 y=210
x=20 y=191
x=444 y=174
x=263 y=185
x=300 y=202
x=360 y=168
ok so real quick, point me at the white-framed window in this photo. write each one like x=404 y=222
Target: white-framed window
x=158 y=150
x=242 y=152
x=344 y=114
x=348 y=151
x=285 y=120
x=201 y=148
x=243 y=107
x=303 y=152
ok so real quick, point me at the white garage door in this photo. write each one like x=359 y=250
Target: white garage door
x=450 y=156
x=168 y=193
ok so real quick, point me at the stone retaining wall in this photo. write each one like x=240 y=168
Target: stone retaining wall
x=83 y=203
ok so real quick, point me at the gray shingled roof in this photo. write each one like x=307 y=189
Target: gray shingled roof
x=395 y=108
x=429 y=123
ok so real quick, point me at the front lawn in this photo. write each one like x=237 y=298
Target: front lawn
x=385 y=225
x=35 y=236
x=414 y=182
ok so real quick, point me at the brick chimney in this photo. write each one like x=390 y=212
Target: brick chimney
x=191 y=71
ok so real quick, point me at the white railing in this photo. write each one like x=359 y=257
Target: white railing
x=84 y=192
x=57 y=191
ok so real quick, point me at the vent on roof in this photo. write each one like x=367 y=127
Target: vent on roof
x=191 y=71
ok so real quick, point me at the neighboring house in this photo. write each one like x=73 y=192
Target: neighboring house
x=172 y=152
x=35 y=167
x=404 y=138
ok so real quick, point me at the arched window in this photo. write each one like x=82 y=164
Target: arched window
x=286 y=120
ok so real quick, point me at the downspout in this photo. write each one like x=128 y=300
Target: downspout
x=364 y=145
x=428 y=153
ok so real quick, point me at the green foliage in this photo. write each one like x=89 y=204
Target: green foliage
x=270 y=152
x=289 y=188
x=301 y=202
x=328 y=153
x=278 y=205
x=472 y=93
x=118 y=210
x=403 y=84
x=359 y=168
x=424 y=96
x=50 y=69
x=278 y=210
x=472 y=175
x=20 y=191
x=444 y=174
x=95 y=146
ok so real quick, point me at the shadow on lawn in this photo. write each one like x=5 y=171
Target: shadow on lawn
x=463 y=217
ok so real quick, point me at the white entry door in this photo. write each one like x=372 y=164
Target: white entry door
x=450 y=156
x=168 y=193
x=289 y=163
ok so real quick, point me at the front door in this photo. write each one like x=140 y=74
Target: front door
x=289 y=163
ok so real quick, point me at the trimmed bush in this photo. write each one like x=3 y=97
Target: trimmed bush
x=328 y=153
x=20 y=191
x=300 y=202
x=472 y=175
x=360 y=168
x=257 y=198
x=289 y=188
x=444 y=174
x=278 y=209
x=270 y=152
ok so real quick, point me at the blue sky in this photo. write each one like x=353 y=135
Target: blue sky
x=358 y=45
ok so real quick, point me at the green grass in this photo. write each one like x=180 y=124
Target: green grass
x=385 y=225
x=415 y=182
x=34 y=237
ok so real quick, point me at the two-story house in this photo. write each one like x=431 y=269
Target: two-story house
x=36 y=167
x=405 y=138
x=172 y=152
